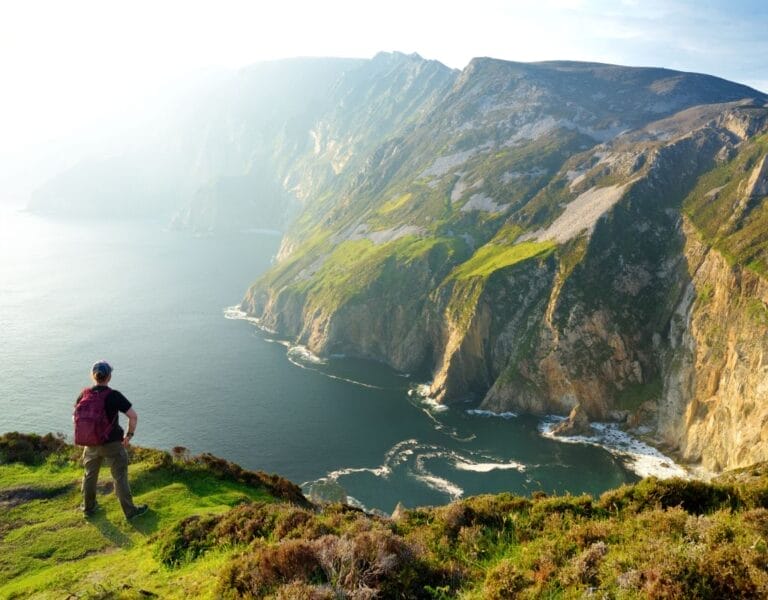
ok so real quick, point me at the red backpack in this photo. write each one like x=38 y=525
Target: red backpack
x=92 y=426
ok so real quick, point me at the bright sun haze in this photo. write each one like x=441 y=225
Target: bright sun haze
x=70 y=67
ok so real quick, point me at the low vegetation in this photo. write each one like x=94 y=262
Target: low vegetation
x=743 y=237
x=218 y=531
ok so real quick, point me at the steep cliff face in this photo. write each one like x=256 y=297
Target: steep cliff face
x=526 y=239
x=714 y=409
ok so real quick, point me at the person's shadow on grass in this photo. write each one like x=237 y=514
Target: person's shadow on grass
x=110 y=531
x=147 y=523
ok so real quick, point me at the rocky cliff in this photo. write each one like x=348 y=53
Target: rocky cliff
x=539 y=241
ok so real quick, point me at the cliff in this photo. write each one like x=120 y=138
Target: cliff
x=531 y=242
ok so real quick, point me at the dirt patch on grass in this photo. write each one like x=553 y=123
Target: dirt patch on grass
x=21 y=495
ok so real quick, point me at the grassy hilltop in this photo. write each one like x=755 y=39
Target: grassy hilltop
x=218 y=531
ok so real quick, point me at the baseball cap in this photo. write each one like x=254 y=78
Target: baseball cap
x=101 y=368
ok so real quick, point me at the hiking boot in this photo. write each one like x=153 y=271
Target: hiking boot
x=90 y=513
x=140 y=510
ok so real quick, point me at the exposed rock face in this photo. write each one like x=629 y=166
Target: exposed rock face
x=714 y=409
x=577 y=423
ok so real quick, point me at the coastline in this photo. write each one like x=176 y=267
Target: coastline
x=639 y=456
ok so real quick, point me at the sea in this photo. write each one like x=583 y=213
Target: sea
x=162 y=307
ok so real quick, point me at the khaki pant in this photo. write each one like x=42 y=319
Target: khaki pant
x=117 y=458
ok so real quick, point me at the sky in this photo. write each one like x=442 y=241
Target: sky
x=73 y=66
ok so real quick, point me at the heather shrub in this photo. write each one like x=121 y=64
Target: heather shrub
x=586 y=565
x=262 y=570
x=30 y=448
x=377 y=560
x=277 y=486
x=246 y=522
x=670 y=522
x=186 y=540
x=299 y=590
x=503 y=581
x=714 y=575
x=693 y=496
x=369 y=564
x=455 y=516
x=341 y=518
x=293 y=523
x=757 y=518
x=581 y=506
x=495 y=510
x=588 y=532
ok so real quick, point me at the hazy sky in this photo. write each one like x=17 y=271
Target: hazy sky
x=67 y=63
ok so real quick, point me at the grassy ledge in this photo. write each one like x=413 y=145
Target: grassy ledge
x=217 y=531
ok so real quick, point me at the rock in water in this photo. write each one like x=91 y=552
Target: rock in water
x=577 y=423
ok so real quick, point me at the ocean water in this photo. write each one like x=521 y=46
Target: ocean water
x=157 y=305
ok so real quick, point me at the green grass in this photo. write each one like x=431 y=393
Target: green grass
x=48 y=549
x=359 y=269
x=395 y=203
x=741 y=236
x=493 y=257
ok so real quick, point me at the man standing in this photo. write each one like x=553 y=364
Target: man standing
x=97 y=427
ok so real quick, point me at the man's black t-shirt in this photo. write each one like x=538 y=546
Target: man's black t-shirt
x=115 y=402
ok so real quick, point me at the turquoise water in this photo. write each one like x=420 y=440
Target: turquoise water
x=153 y=303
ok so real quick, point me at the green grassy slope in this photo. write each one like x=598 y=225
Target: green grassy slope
x=216 y=531
x=48 y=549
x=735 y=225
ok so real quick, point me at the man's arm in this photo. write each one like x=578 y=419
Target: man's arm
x=133 y=419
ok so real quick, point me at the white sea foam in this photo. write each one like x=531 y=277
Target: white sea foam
x=299 y=355
x=440 y=484
x=641 y=458
x=421 y=473
x=305 y=354
x=431 y=408
x=487 y=467
x=302 y=357
x=352 y=501
x=236 y=314
x=382 y=471
x=421 y=391
x=489 y=413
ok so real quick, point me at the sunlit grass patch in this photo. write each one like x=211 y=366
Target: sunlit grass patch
x=493 y=257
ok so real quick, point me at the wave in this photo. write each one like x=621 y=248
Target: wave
x=489 y=413
x=421 y=391
x=487 y=467
x=304 y=354
x=337 y=377
x=413 y=459
x=235 y=313
x=441 y=485
x=639 y=457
